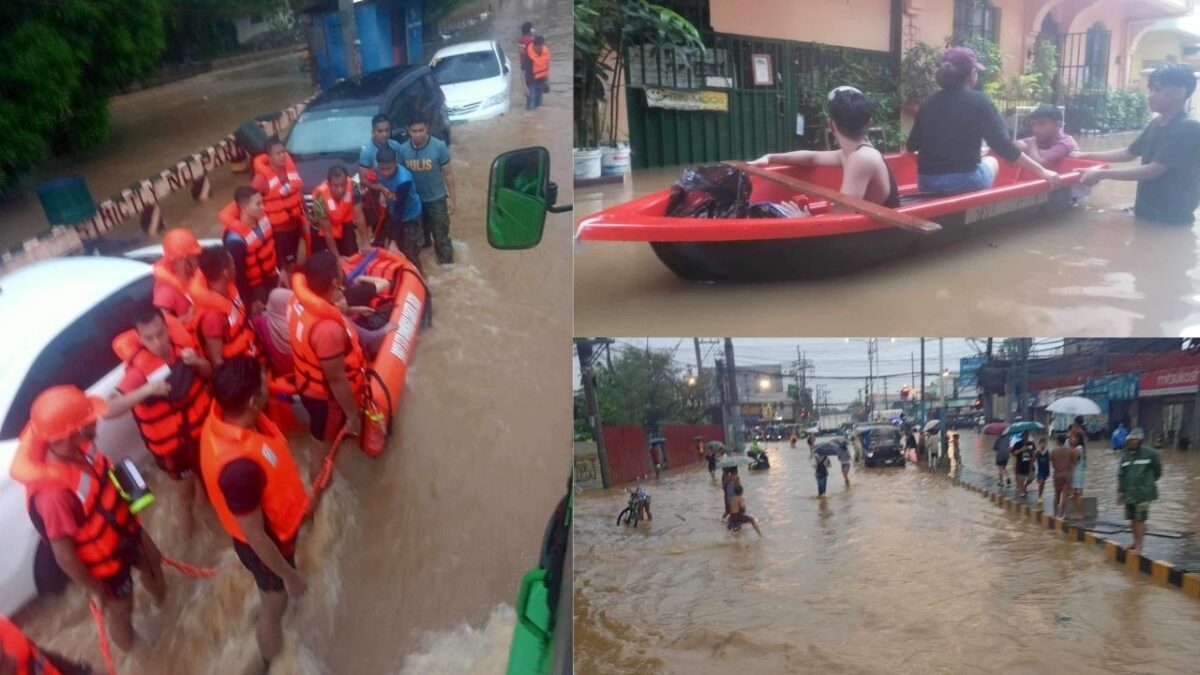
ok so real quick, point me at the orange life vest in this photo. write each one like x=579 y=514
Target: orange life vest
x=260 y=244
x=341 y=211
x=20 y=649
x=239 y=339
x=165 y=425
x=306 y=311
x=283 y=499
x=541 y=62
x=107 y=522
x=283 y=201
x=163 y=274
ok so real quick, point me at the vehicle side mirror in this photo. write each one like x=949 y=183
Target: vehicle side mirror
x=519 y=198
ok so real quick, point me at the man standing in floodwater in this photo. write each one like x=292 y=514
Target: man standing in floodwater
x=1063 y=459
x=822 y=469
x=1168 y=189
x=1137 y=484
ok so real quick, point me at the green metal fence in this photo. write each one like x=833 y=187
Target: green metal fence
x=760 y=119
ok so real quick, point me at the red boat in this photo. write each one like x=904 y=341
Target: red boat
x=826 y=243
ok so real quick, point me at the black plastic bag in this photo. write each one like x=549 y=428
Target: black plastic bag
x=715 y=191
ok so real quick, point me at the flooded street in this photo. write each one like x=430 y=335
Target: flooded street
x=1093 y=272
x=414 y=557
x=901 y=573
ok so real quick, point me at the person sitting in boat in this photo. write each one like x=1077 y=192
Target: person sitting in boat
x=1049 y=145
x=951 y=126
x=865 y=174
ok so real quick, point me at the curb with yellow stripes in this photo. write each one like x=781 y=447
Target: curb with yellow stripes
x=1160 y=572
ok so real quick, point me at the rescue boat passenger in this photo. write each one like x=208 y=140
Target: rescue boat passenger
x=173 y=273
x=222 y=322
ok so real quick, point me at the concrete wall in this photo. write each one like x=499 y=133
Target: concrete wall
x=1157 y=45
x=587 y=466
x=847 y=23
x=248 y=29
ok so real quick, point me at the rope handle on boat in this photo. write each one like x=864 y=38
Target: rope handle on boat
x=325 y=477
x=105 y=648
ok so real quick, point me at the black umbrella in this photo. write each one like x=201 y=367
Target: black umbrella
x=827 y=449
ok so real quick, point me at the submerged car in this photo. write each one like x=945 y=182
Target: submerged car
x=879 y=445
x=337 y=123
x=475 y=79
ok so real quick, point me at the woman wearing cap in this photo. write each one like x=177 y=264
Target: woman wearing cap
x=950 y=127
x=864 y=172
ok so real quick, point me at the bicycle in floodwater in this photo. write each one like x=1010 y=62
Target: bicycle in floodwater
x=632 y=513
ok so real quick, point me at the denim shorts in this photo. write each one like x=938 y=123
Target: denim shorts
x=954 y=183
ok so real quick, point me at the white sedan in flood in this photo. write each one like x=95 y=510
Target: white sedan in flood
x=474 y=77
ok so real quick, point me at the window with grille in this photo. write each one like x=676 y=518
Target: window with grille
x=976 y=19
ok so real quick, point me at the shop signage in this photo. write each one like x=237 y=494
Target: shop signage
x=679 y=99
x=1183 y=380
x=1122 y=387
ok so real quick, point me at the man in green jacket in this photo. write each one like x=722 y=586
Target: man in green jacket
x=1140 y=468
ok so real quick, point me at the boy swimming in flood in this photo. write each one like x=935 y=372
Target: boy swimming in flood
x=737 y=512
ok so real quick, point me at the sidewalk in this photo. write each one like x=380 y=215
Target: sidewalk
x=1170 y=558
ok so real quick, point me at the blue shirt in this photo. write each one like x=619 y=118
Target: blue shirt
x=426 y=165
x=408 y=203
x=367 y=156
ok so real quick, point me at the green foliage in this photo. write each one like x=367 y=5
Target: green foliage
x=604 y=31
x=872 y=77
x=197 y=30
x=643 y=387
x=1044 y=67
x=59 y=63
x=1122 y=111
x=918 y=73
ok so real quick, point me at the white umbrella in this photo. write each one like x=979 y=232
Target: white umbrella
x=1074 y=405
x=931 y=425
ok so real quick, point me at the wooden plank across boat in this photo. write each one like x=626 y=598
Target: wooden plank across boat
x=827 y=243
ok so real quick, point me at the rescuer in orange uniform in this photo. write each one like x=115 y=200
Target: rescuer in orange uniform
x=329 y=363
x=165 y=385
x=256 y=491
x=222 y=323
x=539 y=59
x=19 y=656
x=173 y=273
x=76 y=507
x=336 y=199
x=248 y=236
x=278 y=181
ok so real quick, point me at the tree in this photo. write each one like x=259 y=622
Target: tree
x=59 y=64
x=642 y=388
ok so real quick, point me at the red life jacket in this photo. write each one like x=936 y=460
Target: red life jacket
x=306 y=311
x=107 y=522
x=239 y=338
x=20 y=650
x=283 y=498
x=283 y=201
x=341 y=211
x=540 y=62
x=163 y=274
x=165 y=425
x=260 y=261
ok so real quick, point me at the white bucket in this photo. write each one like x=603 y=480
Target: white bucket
x=615 y=161
x=587 y=163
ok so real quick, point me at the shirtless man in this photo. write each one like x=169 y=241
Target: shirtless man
x=1062 y=460
x=737 y=513
x=865 y=174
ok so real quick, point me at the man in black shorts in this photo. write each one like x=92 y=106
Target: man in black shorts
x=255 y=489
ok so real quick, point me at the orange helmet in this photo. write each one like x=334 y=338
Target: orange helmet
x=180 y=243
x=60 y=411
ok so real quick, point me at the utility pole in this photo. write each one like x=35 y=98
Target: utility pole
x=886 y=404
x=942 y=438
x=699 y=366
x=588 y=375
x=985 y=395
x=921 y=405
x=731 y=371
x=349 y=38
x=870 y=375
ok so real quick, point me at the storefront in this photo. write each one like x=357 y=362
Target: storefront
x=1117 y=397
x=1168 y=407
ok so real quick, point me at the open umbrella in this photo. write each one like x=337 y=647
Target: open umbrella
x=931 y=425
x=716 y=445
x=1074 y=405
x=1020 y=427
x=827 y=449
x=734 y=460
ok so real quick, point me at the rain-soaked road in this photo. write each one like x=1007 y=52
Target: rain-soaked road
x=901 y=573
x=1094 y=272
x=413 y=558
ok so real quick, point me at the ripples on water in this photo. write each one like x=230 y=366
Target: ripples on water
x=902 y=573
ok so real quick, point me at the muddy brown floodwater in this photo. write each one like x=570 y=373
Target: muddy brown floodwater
x=903 y=572
x=1094 y=271
x=414 y=557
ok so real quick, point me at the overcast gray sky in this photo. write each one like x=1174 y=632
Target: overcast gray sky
x=831 y=357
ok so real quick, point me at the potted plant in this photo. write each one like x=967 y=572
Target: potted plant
x=918 y=75
x=604 y=31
